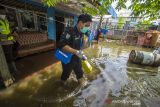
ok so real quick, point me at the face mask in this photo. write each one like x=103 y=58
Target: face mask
x=2 y=16
x=84 y=29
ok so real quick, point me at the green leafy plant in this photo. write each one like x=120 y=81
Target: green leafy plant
x=143 y=24
x=149 y=9
x=101 y=7
x=121 y=22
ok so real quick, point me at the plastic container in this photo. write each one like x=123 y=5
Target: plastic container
x=104 y=31
x=155 y=37
x=64 y=57
x=86 y=66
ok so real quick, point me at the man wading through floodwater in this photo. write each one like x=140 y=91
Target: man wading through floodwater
x=72 y=41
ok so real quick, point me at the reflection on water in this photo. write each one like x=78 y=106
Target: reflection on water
x=121 y=83
x=114 y=82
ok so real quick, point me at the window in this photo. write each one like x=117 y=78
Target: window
x=27 y=20
x=11 y=17
x=69 y=22
x=42 y=22
x=133 y=19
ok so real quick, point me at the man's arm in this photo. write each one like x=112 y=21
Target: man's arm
x=67 y=48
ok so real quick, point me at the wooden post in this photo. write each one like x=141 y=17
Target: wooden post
x=4 y=70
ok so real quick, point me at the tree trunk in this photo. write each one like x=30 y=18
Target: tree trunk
x=100 y=22
x=106 y=23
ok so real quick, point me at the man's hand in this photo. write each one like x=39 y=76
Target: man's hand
x=80 y=54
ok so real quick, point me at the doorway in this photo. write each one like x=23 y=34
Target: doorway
x=59 y=26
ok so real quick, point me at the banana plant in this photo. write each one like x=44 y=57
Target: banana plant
x=101 y=7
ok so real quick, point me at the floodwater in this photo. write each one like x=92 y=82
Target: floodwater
x=114 y=82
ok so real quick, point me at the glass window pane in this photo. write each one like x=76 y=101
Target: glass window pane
x=11 y=17
x=42 y=22
x=27 y=20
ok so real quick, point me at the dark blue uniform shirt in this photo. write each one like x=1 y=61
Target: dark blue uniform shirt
x=71 y=37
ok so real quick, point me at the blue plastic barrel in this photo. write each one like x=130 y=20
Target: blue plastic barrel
x=64 y=57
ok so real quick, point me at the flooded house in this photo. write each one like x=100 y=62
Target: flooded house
x=113 y=82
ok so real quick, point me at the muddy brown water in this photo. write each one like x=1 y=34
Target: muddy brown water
x=114 y=82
